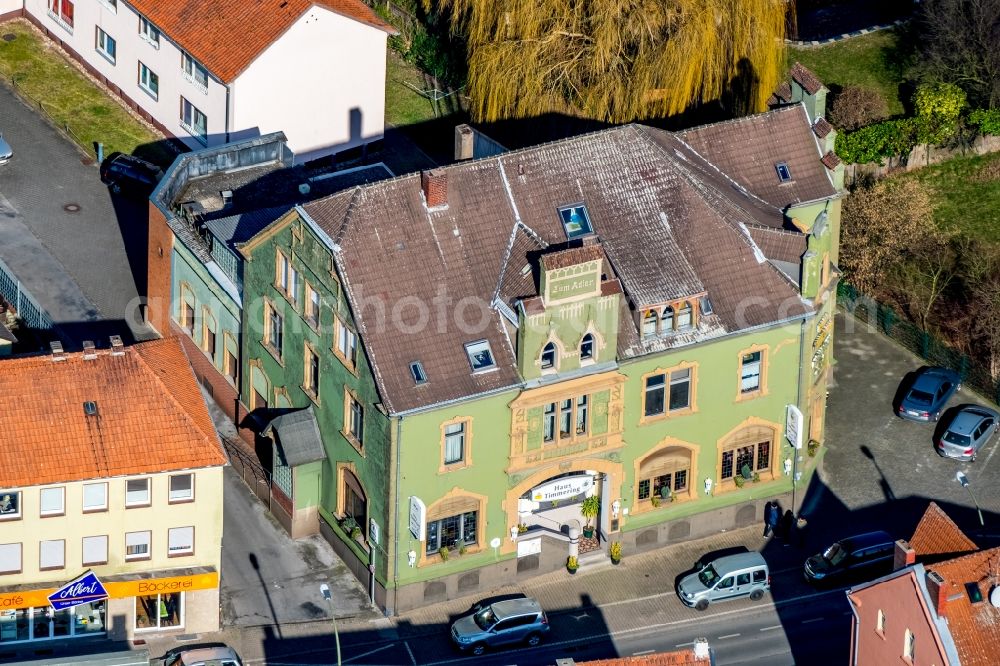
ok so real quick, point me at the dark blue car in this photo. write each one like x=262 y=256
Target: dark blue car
x=929 y=393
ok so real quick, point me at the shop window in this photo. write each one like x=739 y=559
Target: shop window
x=137 y=545
x=747 y=452
x=51 y=554
x=10 y=558
x=52 y=501
x=137 y=492
x=181 y=488
x=663 y=472
x=10 y=504
x=452 y=532
x=159 y=611
x=180 y=541
x=95 y=497
x=95 y=550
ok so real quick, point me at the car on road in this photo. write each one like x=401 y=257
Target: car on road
x=501 y=623
x=862 y=557
x=926 y=397
x=130 y=174
x=6 y=152
x=725 y=578
x=208 y=654
x=967 y=432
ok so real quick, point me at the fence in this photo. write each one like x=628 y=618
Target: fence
x=975 y=372
x=59 y=124
x=921 y=156
x=28 y=310
x=250 y=470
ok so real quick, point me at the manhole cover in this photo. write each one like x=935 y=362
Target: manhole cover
x=71 y=208
x=9 y=37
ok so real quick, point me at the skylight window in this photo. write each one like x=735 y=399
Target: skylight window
x=575 y=221
x=784 y=175
x=90 y=408
x=480 y=355
x=417 y=371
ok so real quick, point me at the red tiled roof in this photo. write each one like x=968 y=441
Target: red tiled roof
x=572 y=256
x=227 y=35
x=676 y=658
x=805 y=78
x=822 y=128
x=937 y=534
x=830 y=160
x=151 y=416
x=974 y=627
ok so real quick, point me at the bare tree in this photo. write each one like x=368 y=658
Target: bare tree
x=982 y=279
x=857 y=106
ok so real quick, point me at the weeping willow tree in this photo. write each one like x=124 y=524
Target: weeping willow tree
x=617 y=60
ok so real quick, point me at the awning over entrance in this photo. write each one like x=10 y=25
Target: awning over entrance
x=298 y=439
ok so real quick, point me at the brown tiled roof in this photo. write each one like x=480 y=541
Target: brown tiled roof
x=671 y=225
x=779 y=244
x=822 y=128
x=747 y=150
x=830 y=160
x=572 y=256
x=937 y=534
x=676 y=658
x=805 y=78
x=782 y=95
x=227 y=35
x=151 y=416
x=974 y=627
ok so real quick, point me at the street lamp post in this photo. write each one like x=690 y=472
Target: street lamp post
x=325 y=590
x=964 y=480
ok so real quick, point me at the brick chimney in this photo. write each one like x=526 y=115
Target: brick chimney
x=904 y=555
x=434 y=183
x=57 y=351
x=938 y=591
x=117 y=348
x=89 y=350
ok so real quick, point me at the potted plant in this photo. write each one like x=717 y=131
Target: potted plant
x=756 y=477
x=738 y=480
x=572 y=564
x=655 y=501
x=615 y=551
x=673 y=496
x=463 y=549
x=813 y=447
x=522 y=528
x=356 y=533
x=444 y=553
x=589 y=510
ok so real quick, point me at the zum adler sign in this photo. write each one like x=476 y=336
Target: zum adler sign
x=85 y=589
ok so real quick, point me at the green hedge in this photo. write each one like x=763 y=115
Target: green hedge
x=987 y=121
x=876 y=142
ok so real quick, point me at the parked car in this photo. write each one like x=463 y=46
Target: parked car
x=208 y=654
x=6 y=152
x=926 y=397
x=508 y=622
x=130 y=174
x=968 y=431
x=861 y=557
x=725 y=578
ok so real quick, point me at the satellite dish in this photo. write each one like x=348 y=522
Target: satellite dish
x=495 y=543
x=995 y=596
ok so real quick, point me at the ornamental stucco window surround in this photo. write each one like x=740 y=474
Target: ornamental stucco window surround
x=747 y=451
x=587 y=348
x=669 y=392
x=456 y=444
x=456 y=520
x=312 y=306
x=186 y=309
x=752 y=373
x=548 y=359
x=665 y=474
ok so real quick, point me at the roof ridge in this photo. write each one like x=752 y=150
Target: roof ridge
x=342 y=231
x=988 y=552
x=742 y=119
x=510 y=250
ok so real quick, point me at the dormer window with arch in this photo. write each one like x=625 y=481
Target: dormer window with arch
x=649 y=324
x=667 y=320
x=684 y=317
x=549 y=356
x=587 y=348
x=678 y=316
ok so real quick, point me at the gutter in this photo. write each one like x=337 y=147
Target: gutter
x=854 y=630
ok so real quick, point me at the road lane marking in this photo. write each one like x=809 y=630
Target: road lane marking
x=728 y=636
x=639 y=654
x=771 y=628
x=365 y=654
x=684 y=644
x=815 y=619
x=413 y=659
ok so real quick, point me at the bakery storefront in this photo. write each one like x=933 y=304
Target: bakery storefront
x=132 y=604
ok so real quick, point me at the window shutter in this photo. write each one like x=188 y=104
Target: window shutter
x=599 y=412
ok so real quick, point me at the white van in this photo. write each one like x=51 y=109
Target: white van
x=730 y=577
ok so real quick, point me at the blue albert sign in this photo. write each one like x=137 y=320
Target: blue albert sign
x=82 y=590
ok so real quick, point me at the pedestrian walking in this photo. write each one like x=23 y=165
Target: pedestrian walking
x=772 y=514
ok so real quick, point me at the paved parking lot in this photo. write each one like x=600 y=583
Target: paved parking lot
x=67 y=240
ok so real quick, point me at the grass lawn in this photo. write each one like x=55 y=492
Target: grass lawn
x=874 y=61
x=71 y=99
x=966 y=194
x=403 y=106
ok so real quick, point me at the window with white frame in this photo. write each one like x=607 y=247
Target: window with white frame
x=10 y=504
x=110 y=4
x=62 y=11
x=454 y=443
x=909 y=645
x=312 y=305
x=194 y=71
x=182 y=487
x=194 y=121
x=51 y=554
x=356 y=419
x=137 y=492
x=180 y=541
x=95 y=550
x=273 y=329
x=549 y=356
x=587 y=347
x=137 y=545
x=149 y=32
x=149 y=81
x=10 y=558
x=347 y=344
x=750 y=372
x=106 y=45
x=480 y=355
x=52 y=501
x=95 y=496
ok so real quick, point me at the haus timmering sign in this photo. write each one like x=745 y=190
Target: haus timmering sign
x=563 y=487
x=83 y=590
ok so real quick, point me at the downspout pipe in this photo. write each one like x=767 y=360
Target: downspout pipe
x=398 y=452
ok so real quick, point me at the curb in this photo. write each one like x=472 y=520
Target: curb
x=811 y=43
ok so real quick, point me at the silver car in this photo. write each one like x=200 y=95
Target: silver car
x=6 y=152
x=968 y=431
x=509 y=622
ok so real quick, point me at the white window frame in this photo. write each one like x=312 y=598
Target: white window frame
x=186 y=546
x=135 y=539
x=478 y=347
x=455 y=433
x=55 y=13
x=59 y=491
x=191 y=125
x=101 y=46
x=192 y=70
x=175 y=499
x=148 y=32
x=148 y=498
x=96 y=507
x=750 y=369
x=10 y=548
x=110 y=4
x=55 y=549
x=347 y=344
x=17 y=496
x=95 y=539
x=145 y=84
